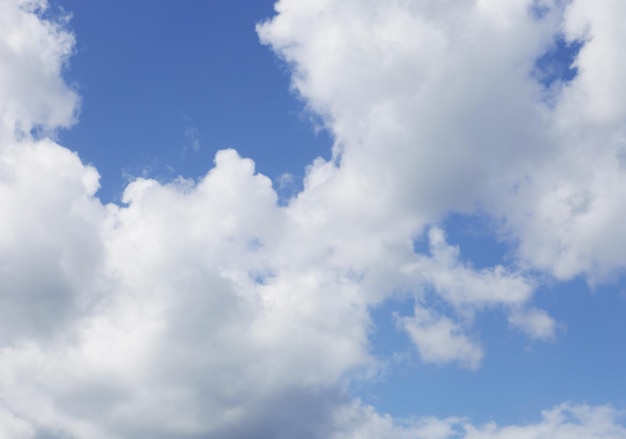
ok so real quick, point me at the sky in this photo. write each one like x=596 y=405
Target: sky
x=343 y=219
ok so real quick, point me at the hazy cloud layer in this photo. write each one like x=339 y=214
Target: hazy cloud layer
x=205 y=309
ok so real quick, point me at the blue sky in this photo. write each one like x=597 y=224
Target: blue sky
x=328 y=219
x=159 y=71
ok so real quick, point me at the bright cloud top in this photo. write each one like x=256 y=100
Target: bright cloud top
x=206 y=309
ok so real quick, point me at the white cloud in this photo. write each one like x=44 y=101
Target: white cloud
x=566 y=421
x=206 y=308
x=440 y=340
x=534 y=322
x=13 y=427
x=49 y=238
x=32 y=55
x=439 y=107
x=601 y=63
x=357 y=421
x=464 y=287
x=563 y=422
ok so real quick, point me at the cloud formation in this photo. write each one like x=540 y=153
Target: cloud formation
x=440 y=340
x=440 y=106
x=32 y=55
x=206 y=309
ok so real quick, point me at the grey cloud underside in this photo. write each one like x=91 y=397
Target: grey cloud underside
x=206 y=309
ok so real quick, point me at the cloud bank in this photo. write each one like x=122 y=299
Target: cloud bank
x=206 y=309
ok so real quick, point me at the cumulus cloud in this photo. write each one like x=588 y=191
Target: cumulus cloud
x=209 y=309
x=32 y=55
x=440 y=340
x=439 y=105
x=464 y=287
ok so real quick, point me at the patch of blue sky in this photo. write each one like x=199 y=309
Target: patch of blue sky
x=477 y=239
x=149 y=72
x=539 y=10
x=589 y=360
x=518 y=377
x=557 y=65
x=527 y=375
x=476 y=236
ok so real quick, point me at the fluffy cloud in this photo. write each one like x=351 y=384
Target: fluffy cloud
x=32 y=54
x=206 y=309
x=534 y=322
x=440 y=106
x=440 y=340
x=49 y=238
